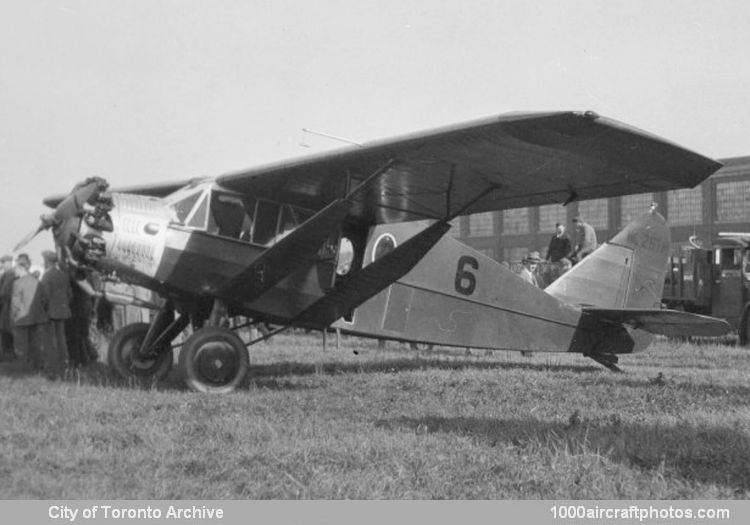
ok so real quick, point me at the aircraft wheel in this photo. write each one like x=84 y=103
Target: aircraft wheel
x=122 y=355
x=214 y=360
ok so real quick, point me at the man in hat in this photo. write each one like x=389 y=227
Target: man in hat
x=6 y=292
x=28 y=315
x=585 y=239
x=528 y=268
x=57 y=286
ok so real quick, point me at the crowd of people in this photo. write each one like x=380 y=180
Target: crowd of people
x=45 y=316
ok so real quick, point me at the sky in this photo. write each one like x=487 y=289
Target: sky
x=144 y=91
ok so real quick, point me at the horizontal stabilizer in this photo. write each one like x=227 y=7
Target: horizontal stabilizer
x=671 y=323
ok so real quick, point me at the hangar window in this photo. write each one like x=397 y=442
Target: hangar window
x=684 y=206
x=732 y=200
x=633 y=206
x=481 y=224
x=595 y=212
x=550 y=215
x=516 y=221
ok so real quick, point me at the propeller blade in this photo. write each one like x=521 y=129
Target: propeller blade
x=68 y=208
x=29 y=236
x=71 y=205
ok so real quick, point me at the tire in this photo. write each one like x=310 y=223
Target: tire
x=214 y=360
x=125 y=343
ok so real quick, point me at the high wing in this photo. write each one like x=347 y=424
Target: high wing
x=509 y=161
x=671 y=323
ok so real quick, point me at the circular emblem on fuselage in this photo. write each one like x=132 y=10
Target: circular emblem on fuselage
x=383 y=245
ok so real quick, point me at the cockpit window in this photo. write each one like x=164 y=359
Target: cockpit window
x=227 y=215
x=236 y=216
x=183 y=207
x=198 y=218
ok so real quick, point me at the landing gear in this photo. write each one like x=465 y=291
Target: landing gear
x=213 y=360
x=123 y=354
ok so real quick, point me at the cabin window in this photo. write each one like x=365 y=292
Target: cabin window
x=183 y=207
x=266 y=221
x=346 y=256
x=199 y=216
x=728 y=258
x=287 y=223
x=227 y=215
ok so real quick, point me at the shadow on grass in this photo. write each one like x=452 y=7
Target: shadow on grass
x=279 y=370
x=274 y=376
x=706 y=454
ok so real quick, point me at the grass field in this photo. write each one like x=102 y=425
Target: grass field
x=390 y=423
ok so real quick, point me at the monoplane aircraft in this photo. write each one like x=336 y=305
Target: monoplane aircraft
x=356 y=240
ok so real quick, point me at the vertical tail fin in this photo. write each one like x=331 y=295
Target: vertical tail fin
x=626 y=272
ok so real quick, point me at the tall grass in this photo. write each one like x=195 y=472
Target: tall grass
x=390 y=423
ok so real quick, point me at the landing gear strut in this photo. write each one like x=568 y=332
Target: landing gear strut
x=213 y=359
x=145 y=351
x=123 y=355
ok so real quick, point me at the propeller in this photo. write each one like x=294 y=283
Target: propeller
x=69 y=208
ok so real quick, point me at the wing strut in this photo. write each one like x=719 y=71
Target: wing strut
x=356 y=288
x=296 y=249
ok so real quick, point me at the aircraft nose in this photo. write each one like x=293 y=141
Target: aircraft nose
x=68 y=211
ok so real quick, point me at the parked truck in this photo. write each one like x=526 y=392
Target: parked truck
x=713 y=281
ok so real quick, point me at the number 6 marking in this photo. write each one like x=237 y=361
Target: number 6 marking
x=466 y=281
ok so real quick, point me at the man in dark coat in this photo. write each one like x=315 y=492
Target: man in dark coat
x=559 y=245
x=81 y=351
x=6 y=292
x=56 y=285
x=28 y=315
